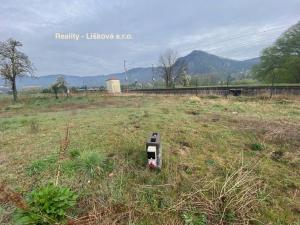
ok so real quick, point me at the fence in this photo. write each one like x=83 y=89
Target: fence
x=217 y=90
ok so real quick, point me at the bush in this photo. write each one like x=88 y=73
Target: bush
x=47 y=205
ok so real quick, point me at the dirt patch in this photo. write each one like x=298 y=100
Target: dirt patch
x=274 y=132
x=180 y=151
x=277 y=155
x=278 y=133
x=215 y=119
x=184 y=144
x=192 y=112
x=183 y=149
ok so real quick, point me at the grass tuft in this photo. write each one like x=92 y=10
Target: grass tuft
x=41 y=165
x=92 y=163
x=74 y=153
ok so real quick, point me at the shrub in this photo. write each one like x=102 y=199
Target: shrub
x=47 y=205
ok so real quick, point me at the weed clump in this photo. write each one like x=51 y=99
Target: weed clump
x=92 y=163
x=191 y=218
x=257 y=147
x=233 y=200
x=46 y=205
x=74 y=153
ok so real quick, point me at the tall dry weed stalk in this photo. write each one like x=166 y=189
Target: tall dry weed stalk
x=64 y=144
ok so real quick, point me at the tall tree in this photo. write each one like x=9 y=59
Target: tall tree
x=281 y=61
x=13 y=63
x=60 y=84
x=185 y=79
x=170 y=68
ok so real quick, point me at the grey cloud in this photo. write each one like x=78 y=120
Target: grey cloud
x=231 y=28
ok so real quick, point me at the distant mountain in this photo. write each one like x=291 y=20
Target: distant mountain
x=198 y=63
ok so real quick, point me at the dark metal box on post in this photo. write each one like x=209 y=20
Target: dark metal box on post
x=154 y=151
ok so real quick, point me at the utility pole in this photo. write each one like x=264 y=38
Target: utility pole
x=196 y=86
x=126 y=77
x=273 y=81
x=227 y=85
x=153 y=78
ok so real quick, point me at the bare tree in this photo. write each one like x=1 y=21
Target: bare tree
x=170 y=67
x=13 y=63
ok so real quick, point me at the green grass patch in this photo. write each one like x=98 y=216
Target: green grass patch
x=41 y=165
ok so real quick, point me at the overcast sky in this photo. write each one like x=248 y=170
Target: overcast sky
x=237 y=29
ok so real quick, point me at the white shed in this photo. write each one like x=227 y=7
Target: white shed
x=113 y=85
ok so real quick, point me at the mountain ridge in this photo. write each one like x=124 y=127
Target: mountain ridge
x=198 y=63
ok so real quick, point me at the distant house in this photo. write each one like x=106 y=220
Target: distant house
x=113 y=85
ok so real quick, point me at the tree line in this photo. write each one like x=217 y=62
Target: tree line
x=280 y=63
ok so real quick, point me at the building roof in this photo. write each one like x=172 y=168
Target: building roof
x=112 y=78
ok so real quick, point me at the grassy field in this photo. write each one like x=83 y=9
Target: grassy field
x=225 y=161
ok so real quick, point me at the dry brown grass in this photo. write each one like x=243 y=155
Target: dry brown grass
x=106 y=215
x=232 y=201
x=8 y=196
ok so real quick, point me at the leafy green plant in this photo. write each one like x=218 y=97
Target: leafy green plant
x=47 y=205
x=190 y=218
x=257 y=147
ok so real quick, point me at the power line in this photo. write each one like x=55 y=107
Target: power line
x=125 y=70
x=212 y=44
